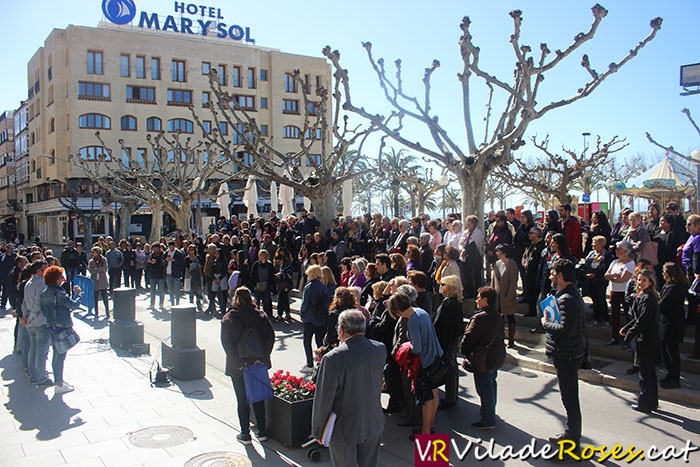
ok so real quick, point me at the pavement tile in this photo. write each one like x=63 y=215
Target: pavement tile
x=102 y=448
x=48 y=441
x=45 y=459
x=11 y=451
x=133 y=457
x=112 y=432
x=123 y=418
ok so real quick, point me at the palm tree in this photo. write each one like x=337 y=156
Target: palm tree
x=451 y=200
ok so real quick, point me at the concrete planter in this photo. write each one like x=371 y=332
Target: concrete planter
x=289 y=422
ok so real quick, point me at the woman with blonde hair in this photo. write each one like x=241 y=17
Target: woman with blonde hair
x=329 y=281
x=449 y=328
x=314 y=312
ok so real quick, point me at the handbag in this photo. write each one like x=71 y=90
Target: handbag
x=64 y=339
x=438 y=371
x=257 y=383
x=475 y=362
x=223 y=283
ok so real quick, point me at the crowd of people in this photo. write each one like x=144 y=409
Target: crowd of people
x=413 y=281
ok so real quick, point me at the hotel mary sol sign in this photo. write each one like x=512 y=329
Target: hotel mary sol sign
x=124 y=12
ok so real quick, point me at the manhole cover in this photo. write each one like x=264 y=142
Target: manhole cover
x=160 y=437
x=219 y=459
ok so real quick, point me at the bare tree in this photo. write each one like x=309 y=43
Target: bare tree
x=553 y=174
x=323 y=142
x=168 y=179
x=83 y=197
x=670 y=149
x=497 y=191
x=474 y=162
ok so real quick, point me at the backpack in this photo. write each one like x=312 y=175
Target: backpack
x=251 y=346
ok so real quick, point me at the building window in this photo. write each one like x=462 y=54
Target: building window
x=263 y=75
x=205 y=98
x=289 y=84
x=319 y=82
x=179 y=97
x=206 y=68
x=124 y=66
x=307 y=83
x=94 y=63
x=141 y=154
x=222 y=74
x=178 y=71
x=153 y=124
x=223 y=128
x=313 y=160
x=206 y=126
x=251 y=78
x=128 y=123
x=291 y=132
x=141 y=67
x=264 y=129
x=245 y=102
x=313 y=110
x=316 y=134
x=92 y=153
x=155 y=68
x=236 y=77
x=141 y=94
x=126 y=157
x=241 y=135
x=180 y=124
x=263 y=102
x=52 y=125
x=97 y=121
x=290 y=106
x=95 y=91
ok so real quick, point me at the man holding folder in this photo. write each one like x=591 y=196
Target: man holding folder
x=349 y=386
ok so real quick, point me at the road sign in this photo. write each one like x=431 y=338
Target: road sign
x=73 y=217
x=586 y=198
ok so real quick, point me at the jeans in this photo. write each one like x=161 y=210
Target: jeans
x=160 y=285
x=115 y=275
x=567 y=375
x=70 y=274
x=136 y=279
x=174 y=290
x=23 y=345
x=244 y=407
x=618 y=305
x=311 y=331
x=487 y=388
x=39 y=342
x=57 y=364
x=266 y=299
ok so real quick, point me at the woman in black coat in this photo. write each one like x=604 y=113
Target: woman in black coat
x=645 y=327
x=244 y=314
x=671 y=323
x=449 y=330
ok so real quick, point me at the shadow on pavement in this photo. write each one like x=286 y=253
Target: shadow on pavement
x=32 y=408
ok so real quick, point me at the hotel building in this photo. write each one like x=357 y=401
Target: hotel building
x=128 y=82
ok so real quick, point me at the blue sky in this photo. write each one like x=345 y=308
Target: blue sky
x=642 y=96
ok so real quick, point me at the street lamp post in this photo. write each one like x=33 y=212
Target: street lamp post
x=585 y=135
x=443 y=181
x=395 y=190
x=609 y=185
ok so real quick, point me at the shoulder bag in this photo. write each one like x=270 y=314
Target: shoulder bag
x=475 y=361
x=251 y=346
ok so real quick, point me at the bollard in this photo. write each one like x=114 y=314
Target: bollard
x=124 y=299
x=183 y=326
x=125 y=332
x=183 y=357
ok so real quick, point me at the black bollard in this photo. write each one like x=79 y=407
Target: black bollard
x=125 y=332
x=183 y=357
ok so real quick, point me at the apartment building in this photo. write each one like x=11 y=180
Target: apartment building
x=127 y=82
x=8 y=192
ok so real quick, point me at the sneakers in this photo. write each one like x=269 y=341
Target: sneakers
x=47 y=383
x=306 y=369
x=261 y=435
x=64 y=388
x=244 y=438
x=482 y=425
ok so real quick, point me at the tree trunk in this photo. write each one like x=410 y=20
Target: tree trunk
x=324 y=206
x=472 y=181
x=87 y=229
x=156 y=222
x=125 y=216
x=182 y=217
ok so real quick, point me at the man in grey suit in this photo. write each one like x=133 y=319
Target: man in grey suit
x=350 y=385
